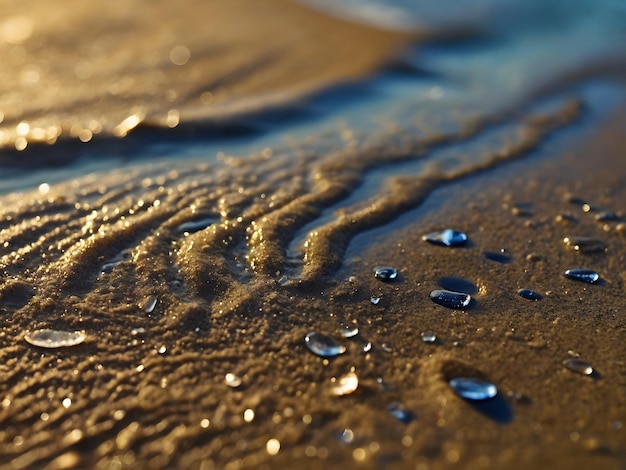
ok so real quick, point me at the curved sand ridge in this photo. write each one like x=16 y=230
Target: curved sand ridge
x=142 y=380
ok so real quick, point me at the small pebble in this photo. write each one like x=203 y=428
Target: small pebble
x=472 y=388
x=578 y=365
x=585 y=245
x=51 y=339
x=450 y=299
x=583 y=275
x=529 y=294
x=385 y=273
x=447 y=237
x=323 y=345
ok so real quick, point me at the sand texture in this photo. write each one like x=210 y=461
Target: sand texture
x=195 y=281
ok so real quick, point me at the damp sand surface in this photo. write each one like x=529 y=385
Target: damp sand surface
x=193 y=281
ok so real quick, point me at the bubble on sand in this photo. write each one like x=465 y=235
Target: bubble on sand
x=375 y=300
x=450 y=299
x=447 y=237
x=585 y=245
x=579 y=366
x=345 y=385
x=46 y=338
x=582 y=275
x=323 y=345
x=398 y=411
x=529 y=294
x=385 y=273
x=472 y=388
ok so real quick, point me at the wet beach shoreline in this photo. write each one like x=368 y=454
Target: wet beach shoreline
x=195 y=204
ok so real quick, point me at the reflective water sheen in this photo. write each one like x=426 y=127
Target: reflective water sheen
x=472 y=388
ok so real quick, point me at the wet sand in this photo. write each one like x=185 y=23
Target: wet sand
x=285 y=243
x=100 y=70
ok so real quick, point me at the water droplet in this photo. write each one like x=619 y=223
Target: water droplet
x=582 y=275
x=497 y=257
x=349 y=331
x=428 y=337
x=162 y=349
x=450 y=299
x=232 y=380
x=367 y=347
x=458 y=284
x=529 y=294
x=472 y=388
x=447 y=237
x=46 y=338
x=284 y=280
x=248 y=415
x=108 y=267
x=149 y=304
x=578 y=365
x=345 y=385
x=323 y=345
x=385 y=347
x=347 y=436
x=375 y=300
x=399 y=412
x=124 y=255
x=522 y=210
x=272 y=446
x=608 y=217
x=585 y=245
x=385 y=273
x=195 y=225
x=565 y=218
